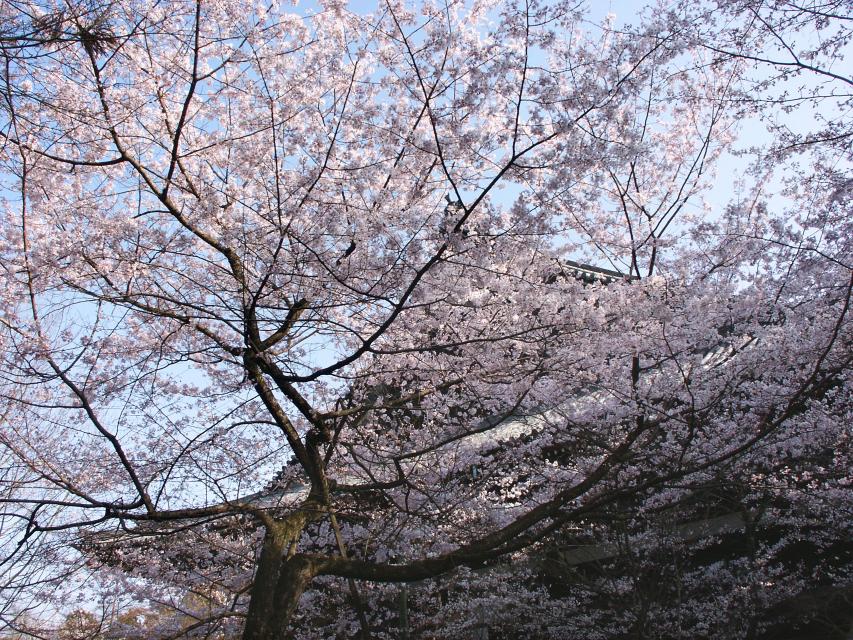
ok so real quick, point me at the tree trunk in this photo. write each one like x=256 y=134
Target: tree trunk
x=279 y=583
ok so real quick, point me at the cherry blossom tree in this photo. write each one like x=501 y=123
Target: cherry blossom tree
x=297 y=308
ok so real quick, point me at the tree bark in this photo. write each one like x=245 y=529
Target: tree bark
x=279 y=584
